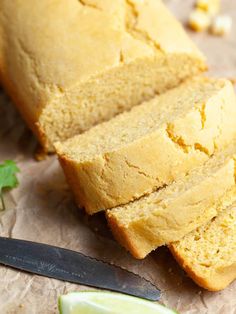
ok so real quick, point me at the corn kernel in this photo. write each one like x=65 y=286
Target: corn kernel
x=199 y=20
x=210 y=6
x=221 y=25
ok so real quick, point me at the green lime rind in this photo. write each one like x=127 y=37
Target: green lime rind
x=97 y=302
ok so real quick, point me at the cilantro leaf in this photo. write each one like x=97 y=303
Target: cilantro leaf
x=8 y=177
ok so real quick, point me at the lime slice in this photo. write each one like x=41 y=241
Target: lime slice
x=94 y=302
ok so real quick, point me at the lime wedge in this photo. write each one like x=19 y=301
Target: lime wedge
x=94 y=302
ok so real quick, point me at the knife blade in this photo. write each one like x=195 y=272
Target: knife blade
x=75 y=267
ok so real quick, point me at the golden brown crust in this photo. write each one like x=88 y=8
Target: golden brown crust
x=70 y=176
x=207 y=254
x=123 y=236
x=202 y=282
x=22 y=108
x=216 y=282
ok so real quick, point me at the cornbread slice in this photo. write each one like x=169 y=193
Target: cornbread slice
x=69 y=65
x=150 y=146
x=167 y=215
x=208 y=254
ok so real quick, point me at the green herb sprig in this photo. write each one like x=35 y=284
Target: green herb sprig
x=8 y=179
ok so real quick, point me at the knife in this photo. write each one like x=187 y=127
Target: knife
x=71 y=266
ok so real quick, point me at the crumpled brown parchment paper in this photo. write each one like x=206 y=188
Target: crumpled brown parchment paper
x=42 y=209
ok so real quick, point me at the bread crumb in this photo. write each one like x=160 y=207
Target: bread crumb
x=40 y=153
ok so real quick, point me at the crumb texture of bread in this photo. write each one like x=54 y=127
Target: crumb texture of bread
x=208 y=254
x=152 y=145
x=167 y=215
x=69 y=65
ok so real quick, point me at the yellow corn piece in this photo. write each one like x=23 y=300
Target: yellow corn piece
x=210 y=6
x=199 y=20
x=221 y=25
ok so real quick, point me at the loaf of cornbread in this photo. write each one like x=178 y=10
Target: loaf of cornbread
x=208 y=255
x=169 y=214
x=69 y=65
x=151 y=145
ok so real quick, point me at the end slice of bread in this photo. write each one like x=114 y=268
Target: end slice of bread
x=208 y=254
x=152 y=145
x=169 y=214
x=106 y=57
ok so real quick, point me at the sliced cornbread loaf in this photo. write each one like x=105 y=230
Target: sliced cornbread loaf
x=169 y=214
x=69 y=65
x=208 y=254
x=150 y=146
